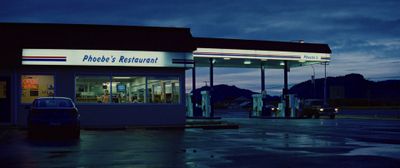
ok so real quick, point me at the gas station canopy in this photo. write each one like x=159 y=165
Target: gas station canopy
x=253 y=53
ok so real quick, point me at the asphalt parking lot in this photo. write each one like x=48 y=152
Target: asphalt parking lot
x=258 y=143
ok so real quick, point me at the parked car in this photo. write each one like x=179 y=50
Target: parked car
x=53 y=116
x=269 y=109
x=316 y=108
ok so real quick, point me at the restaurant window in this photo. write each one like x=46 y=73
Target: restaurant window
x=34 y=86
x=163 y=90
x=92 y=89
x=128 y=89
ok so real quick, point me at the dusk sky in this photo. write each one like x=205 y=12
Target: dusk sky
x=364 y=35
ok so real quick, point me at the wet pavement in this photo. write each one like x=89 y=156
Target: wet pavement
x=258 y=143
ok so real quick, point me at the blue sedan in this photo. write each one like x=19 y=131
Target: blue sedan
x=53 y=116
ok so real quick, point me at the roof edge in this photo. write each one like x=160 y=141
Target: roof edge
x=210 y=42
x=90 y=25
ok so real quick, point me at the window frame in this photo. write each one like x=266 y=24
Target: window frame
x=92 y=75
x=165 y=76
x=145 y=94
x=111 y=75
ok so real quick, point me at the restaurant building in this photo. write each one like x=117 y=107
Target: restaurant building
x=116 y=75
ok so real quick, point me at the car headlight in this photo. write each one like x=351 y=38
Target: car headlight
x=336 y=109
x=272 y=108
x=321 y=109
x=277 y=108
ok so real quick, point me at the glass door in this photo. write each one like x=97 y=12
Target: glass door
x=5 y=100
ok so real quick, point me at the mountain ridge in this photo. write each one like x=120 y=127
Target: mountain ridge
x=350 y=89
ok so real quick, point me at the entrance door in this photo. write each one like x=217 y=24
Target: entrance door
x=5 y=100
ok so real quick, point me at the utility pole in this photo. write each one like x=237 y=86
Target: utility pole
x=313 y=81
x=325 y=87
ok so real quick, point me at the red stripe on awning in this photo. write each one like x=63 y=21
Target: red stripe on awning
x=61 y=57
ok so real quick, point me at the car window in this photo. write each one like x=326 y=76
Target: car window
x=313 y=103
x=54 y=103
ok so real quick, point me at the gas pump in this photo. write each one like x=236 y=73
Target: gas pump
x=205 y=103
x=189 y=105
x=281 y=107
x=294 y=104
x=257 y=105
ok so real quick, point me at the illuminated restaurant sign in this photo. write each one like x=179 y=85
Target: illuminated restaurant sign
x=103 y=58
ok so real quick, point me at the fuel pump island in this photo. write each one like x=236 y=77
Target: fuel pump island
x=239 y=53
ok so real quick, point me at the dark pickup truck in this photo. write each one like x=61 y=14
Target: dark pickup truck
x=315 y=108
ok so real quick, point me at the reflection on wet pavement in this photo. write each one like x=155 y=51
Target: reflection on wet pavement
x=258 y=143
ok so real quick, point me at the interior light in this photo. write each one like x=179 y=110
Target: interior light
x=263 y=59
x=213 y=61
x=247 y=62
x=282 y=63
x=121 y=77
x=226 y=58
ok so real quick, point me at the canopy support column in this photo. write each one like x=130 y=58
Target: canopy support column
x=262 y=77
x=193 y=87
x=286 y=90
x=211 y=61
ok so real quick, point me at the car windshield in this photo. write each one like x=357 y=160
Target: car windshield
x=53 y=103
x=314 y=103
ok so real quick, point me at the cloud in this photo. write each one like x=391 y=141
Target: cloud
x=363 y=35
